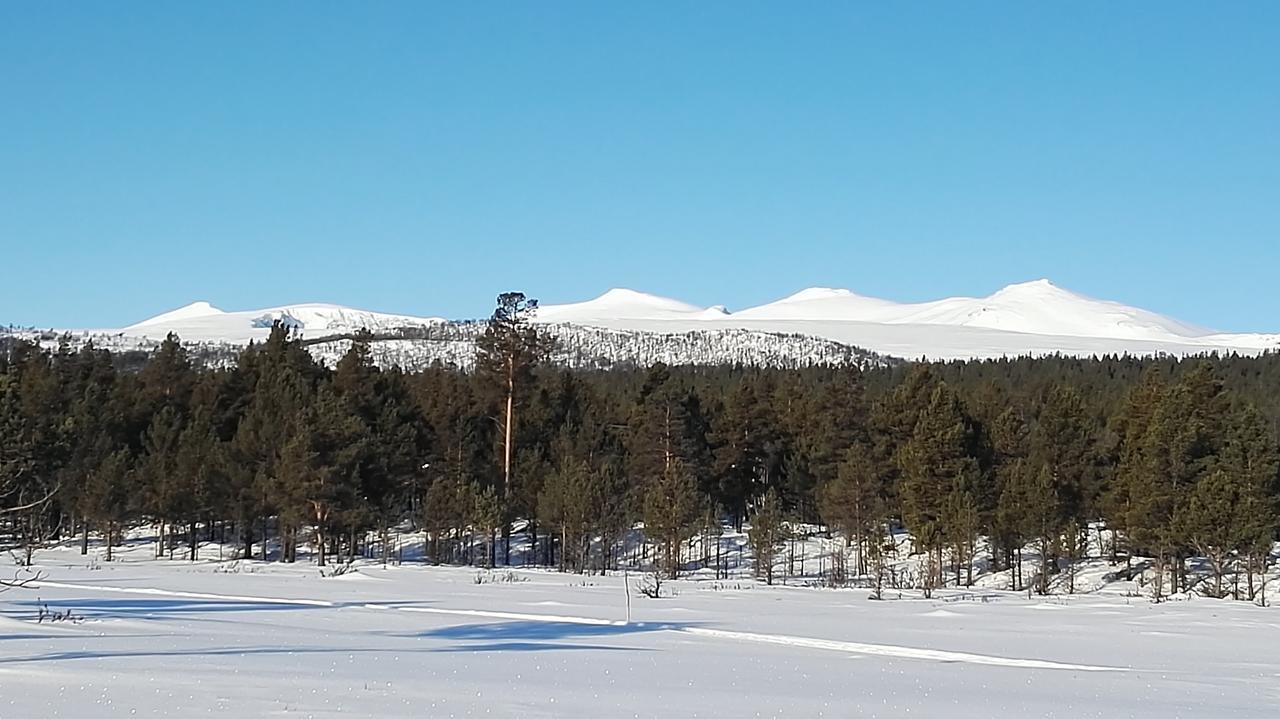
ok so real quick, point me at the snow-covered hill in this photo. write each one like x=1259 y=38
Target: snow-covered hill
x=216 y=337
x=815 y=325
x=621 y=303
x=202 y=322
x=1030 y=318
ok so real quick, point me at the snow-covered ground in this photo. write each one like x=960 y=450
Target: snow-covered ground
x=151 y=637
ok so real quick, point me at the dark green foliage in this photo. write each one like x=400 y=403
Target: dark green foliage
x=671 y=513
x=1177 y=457
x=768 y=530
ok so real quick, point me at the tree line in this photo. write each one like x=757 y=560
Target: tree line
x=1177 y=459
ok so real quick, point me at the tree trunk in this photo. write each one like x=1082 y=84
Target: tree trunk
x=1044 y=566
x=533 y=540
x=247 y=528
x=508 y=431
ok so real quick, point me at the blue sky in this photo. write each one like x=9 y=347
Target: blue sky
x=421 y=157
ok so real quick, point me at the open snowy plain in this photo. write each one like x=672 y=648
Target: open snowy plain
x=146 y=637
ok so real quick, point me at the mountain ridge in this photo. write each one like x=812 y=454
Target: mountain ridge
x=1026 y=318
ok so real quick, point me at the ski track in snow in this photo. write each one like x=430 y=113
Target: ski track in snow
x=881 y=650
x=896 y=652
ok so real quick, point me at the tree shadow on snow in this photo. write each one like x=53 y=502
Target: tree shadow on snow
x=147 y=608
x=209 y=652
x=533 y=647
x=540 y=636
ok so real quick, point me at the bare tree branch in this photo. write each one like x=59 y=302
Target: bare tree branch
x=19 y=581
x=32 y=505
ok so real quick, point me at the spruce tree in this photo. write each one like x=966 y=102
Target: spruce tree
x=671 y=512
x=768 y=530
x=1064 y=440
x=855 y=504
x=107 y=490
x=937 y=466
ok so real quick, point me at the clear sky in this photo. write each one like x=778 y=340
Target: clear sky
x=420 y=157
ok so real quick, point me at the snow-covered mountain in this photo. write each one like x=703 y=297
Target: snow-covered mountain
x=202 y=322
x=1038 y=307
x=216 y=337
x=1030 y=318
x=621 y=303
x=815 y=325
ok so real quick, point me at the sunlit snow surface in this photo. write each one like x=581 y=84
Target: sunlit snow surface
x=1029 y=318
x=172 y=638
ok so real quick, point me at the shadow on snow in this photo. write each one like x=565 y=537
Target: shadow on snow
x=541 y=636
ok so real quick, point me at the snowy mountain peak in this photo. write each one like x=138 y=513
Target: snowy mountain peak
x=624 y=296
x=186 y=312
x=1040 y=285
x=1036 y=317
x=201 y=321
x=1035 y=289
x=817 y=293
x=619 y=302
x=821 y=303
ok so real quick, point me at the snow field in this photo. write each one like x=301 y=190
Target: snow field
x=154 y=637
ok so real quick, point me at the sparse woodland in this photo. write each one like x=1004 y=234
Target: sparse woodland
x=1177 y=458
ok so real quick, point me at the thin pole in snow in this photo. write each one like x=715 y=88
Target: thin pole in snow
x=626 y=587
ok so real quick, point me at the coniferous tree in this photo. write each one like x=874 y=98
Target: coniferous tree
x=1251 y=457
x=768 y=530
x=1064 y=440
x=1179 y=448
x=572 y=503
x=282 y=380
x=106 y=497
x=855 y=503
x=34 y=447
x=1126 y=499
x=1010 y=440
x=671 y=514
x=486 y=516
x=938 y=474
x=663 y=433
x=506 y=354
x=164 y=489
x=199 y=465
x=747 y=459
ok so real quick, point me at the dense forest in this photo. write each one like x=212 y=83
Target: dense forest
x=1176 y=457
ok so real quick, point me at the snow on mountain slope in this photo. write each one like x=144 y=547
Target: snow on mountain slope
x=954 y=342
x=1041 y=307
x=622 y=303
x=1030 y=318
x=1038 y=307
x=182 y=314
x=824 y=303
x=202 y=322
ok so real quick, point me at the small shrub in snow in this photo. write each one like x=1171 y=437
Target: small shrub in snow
x=52 y=616
x=235 y=567
x=489 y=576
x=337 y=570
x=651 y=586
